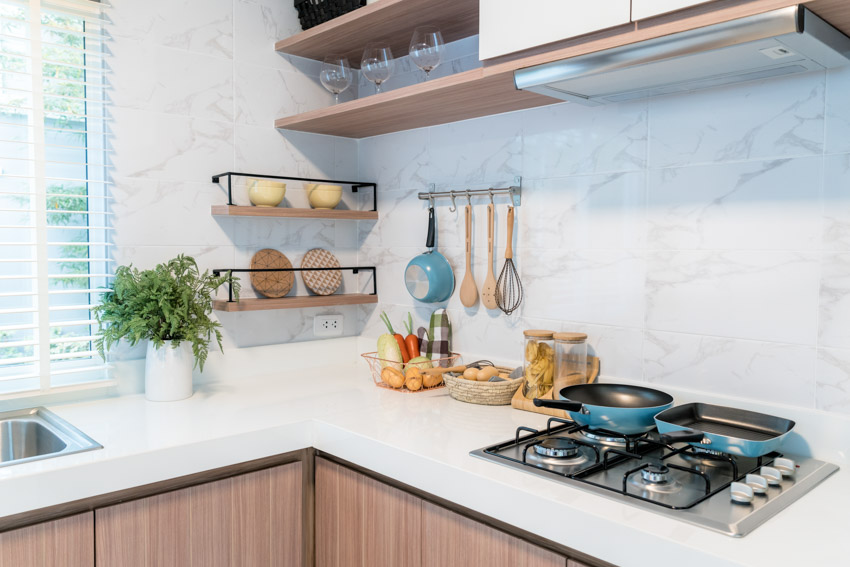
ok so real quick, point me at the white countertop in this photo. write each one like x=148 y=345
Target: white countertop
x=422 y=440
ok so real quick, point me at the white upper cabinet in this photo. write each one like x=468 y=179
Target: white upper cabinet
x=647 y=8
x=507 y=26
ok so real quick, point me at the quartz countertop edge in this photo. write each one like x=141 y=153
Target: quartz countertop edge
x=422 y=440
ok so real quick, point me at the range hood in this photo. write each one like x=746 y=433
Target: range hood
x=781 y=42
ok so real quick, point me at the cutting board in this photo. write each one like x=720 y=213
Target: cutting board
x=520 y=402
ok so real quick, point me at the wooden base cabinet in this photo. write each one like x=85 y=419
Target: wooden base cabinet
x=248 y=520
x=67 y=542
x=361 y=522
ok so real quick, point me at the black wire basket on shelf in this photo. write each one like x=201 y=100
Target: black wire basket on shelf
x=314 y=12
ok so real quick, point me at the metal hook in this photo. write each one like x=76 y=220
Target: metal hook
x=468 y=198
x=490 y=190
x=431 y=200
x=454 y=205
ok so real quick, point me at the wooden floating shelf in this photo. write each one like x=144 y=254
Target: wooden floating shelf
x=465 y=95
x=292 y=213
x=392 y=21
x=294 y=302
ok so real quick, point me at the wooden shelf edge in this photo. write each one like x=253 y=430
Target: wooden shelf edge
x=296 y=302
x=285 y=212
x=349 y=33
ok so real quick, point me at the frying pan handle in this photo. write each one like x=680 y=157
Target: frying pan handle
x=559 y=404
x=429 y=241
x=682 y=436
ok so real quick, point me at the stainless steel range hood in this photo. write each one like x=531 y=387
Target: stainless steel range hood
x=780 y=42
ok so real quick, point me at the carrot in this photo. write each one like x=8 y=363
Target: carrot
x=411 y=340
x=405 y=356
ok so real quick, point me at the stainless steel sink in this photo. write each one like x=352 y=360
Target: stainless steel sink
x=31 y=434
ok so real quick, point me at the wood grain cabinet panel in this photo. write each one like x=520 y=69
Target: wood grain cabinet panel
x=68 y=542
x=245 y=521
x=452 y=540
x=361 y=522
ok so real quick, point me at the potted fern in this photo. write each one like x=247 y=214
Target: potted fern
x=170 y=307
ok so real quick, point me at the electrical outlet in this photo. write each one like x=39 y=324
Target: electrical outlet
x=327 y=325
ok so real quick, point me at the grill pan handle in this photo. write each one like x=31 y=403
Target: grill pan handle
x=682 y=436
x=565 y=405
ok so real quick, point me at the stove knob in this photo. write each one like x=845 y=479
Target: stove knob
x=757 y=483
x=773 y=476
x=741 y=493
x=785 y=466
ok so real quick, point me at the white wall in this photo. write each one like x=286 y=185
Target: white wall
x=701 y=240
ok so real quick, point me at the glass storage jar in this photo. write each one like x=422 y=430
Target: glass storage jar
x=570 y=360
x=538 y=363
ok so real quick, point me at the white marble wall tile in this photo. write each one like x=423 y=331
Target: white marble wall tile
x=834 y=309
x=264 y=95
x=763 y=295
x=833 y=380
x=836 y=197
x=256 y=328
x=585 y=212
x=403 y=221
x=397 y=161
x=346 y=167
x=156 y=213
x=278 y=152
x=769 y=205
x=168 y=147
x=146 y=76
x=258 y=24
x=146 y=257
x=486 y=150
x=203 y=26
x=780 y=373
x=779 y=117
x=568 y=139
x=838 y=110
x=604 y=287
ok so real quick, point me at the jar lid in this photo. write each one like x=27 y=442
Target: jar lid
x=570 y=337
x=539 y=334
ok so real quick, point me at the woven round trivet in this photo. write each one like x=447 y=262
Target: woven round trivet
x=271 y=284
x=323 y=282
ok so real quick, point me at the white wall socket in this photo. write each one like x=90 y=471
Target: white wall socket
x=327 y=325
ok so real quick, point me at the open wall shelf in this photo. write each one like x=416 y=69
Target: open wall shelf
x=392 y=21
x=289 y=212
x=294 y=302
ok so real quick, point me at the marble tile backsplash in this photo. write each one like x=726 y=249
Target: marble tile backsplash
x=701 y=240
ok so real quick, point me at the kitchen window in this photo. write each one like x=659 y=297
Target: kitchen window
x=54 y=202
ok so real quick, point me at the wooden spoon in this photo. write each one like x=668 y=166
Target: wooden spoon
x=468 y=289
x=488 y=291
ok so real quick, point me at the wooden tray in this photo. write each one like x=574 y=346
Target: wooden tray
x=520 y=402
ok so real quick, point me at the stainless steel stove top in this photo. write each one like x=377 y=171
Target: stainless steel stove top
x=680 y=481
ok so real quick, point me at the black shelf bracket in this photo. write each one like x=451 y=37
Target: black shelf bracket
x=355 y=185
x=354 y=269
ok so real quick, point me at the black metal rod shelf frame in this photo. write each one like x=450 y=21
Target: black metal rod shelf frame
x=355 y=185
x=354 y=269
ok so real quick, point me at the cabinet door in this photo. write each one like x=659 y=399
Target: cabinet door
x=647 y=8
x=507 y=26
x=363 y=522
x=452 y=540
x=248 y=520
x=68 y=542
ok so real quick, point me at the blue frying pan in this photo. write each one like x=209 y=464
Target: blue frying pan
x=429 y=277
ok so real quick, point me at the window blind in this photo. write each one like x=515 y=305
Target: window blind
x=54 y=202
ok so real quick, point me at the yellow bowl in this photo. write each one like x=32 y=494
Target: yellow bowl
x=323 y=196
x=265 y=192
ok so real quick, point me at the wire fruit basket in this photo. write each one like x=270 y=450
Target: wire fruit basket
x=377 y=365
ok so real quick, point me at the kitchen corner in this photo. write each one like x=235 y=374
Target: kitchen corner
x=420 y=441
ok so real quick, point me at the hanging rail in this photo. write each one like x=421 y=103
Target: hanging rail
x=515 y=191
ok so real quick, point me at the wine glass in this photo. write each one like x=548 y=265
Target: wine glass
x=426 y=48
x=377 y=64
x=336 y=75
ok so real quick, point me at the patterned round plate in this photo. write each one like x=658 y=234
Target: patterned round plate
x=271 y=284
x=323 y=282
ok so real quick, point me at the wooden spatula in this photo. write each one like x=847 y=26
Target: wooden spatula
x=488 y=290
x=468 y=289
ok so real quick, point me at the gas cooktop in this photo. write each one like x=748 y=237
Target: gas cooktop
x=725 y=493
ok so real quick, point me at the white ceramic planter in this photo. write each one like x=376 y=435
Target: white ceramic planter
x=168 y=372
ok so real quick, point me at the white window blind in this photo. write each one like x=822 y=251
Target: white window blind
x=54 y=204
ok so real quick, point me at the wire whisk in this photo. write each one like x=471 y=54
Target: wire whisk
x=509 y=286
